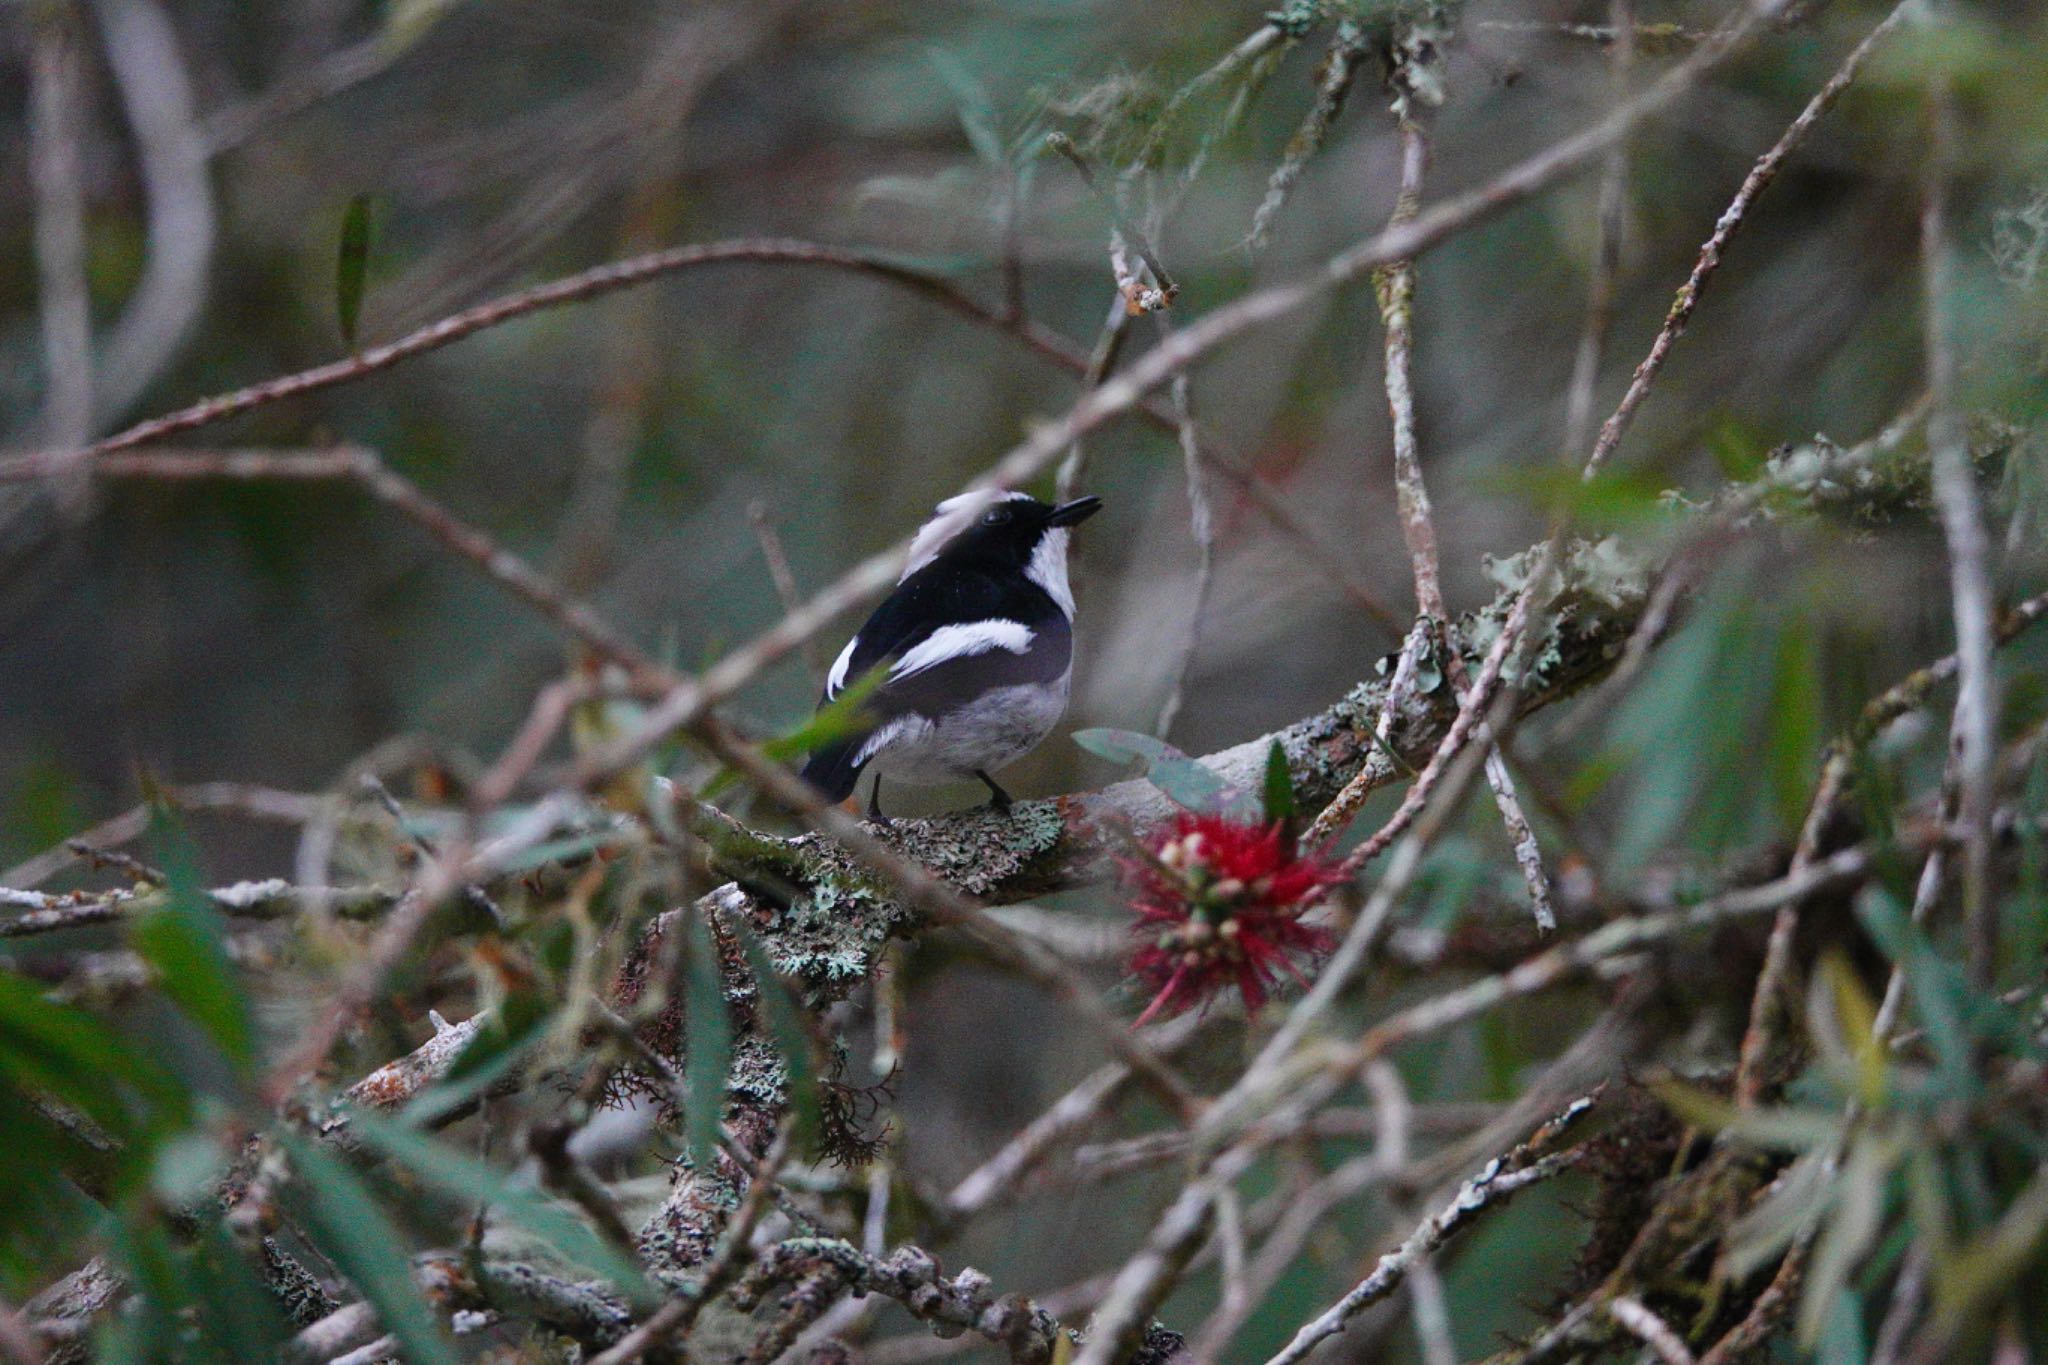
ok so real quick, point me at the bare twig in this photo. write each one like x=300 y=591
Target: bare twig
x=56 y=133
x=1606 y=264
x=588 y=284
x=156 y=93
x=1962 y=525
x=1397 y=313
x=1491 y=1187
x=1612 y=34
x=1394 y=1114
x=1149 y=1276
x=1340 y=65
x=259 y=803
x=784 y=578
x=1759 y=178
x=1654 y=1332
x=1137 y=297
x=1202 y=524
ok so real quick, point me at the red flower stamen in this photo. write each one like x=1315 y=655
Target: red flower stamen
x=1219 y=904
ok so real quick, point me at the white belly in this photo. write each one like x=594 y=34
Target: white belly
x=991 y=733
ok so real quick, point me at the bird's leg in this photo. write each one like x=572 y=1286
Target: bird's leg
x=997 y=797
x=875 y=804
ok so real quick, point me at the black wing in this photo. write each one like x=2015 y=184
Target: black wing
x=922 y=604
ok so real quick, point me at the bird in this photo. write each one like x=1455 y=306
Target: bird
x=970 y=656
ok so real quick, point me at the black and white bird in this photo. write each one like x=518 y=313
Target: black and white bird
x=975 y=647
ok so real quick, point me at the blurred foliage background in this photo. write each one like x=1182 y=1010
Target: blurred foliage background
x=276 y=634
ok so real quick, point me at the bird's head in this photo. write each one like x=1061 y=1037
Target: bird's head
x=997 y=529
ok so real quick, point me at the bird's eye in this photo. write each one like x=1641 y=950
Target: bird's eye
x=995 y=516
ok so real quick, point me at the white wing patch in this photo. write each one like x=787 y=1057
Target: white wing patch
x=836 y=679
x=949 y=519
x=958 y=642
x=889 y=734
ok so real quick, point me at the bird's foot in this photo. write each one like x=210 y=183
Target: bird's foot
x=998 y=799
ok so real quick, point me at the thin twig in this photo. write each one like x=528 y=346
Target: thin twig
x=1393 y=1112
x=784 y=578
x=1759 y=178
x=121 y=862
x=1136 y=298
x=1340 y=65
x=1606 y=264
x=1612 y=34
x=143 y=53
x=56 y=137
x=259 y=803
x=579 y=287
x=1202 y=525
x=677 y=1315
x=1962 y=526
x=1493 y=1186
x=1397 y=313
x=1653 y=1331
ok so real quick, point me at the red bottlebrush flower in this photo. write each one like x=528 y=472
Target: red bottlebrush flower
x=1219 y=904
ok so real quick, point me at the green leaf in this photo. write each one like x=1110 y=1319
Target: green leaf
x=499 y=1048
x=1189 y=784
x=840 y=718
x=1794 y=1206
x=1795 y=1130
x=792 y=1040
x=708 y=1039
x=408 y=21
x=351 y=265
x=1936 y=988
x=1279 y=792
x=186 y=942
x=977 y=110
x=1842 y=1019
x=1846 y=1238
x=236 y=1312
x=70 y=1054
x=332 y=1203
x=468 y=1181
x=1125 y=746
x=1184 y=781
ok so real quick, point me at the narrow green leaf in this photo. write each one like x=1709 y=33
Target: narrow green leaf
x=708 y=1038
x=977 y=110
x=237 y=1313
x=840 y=718
x=1124 y=746
x=1794 y=1207
x=469 y=1181
x=499 y=1047
x=1189 y=784
x=792 y=1039
x=332 y=1203
x=1184 y=781
x=1279 y=793
x=351 y=266
x=1795 y=1130
x=1842 y=1018
x=186 y=941
x=1936 y=989
x=1847 y=1235
x=70 y=1054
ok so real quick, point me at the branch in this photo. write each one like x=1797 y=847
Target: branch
x=1493 y=1186
x=1759 y=178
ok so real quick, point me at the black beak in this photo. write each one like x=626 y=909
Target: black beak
x=1075 y=512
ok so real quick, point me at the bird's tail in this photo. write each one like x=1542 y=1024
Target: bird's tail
x=835 y=768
